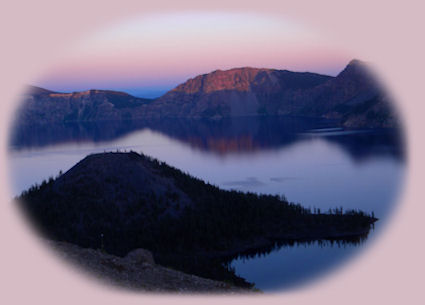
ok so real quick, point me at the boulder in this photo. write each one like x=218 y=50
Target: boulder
x=139 y=256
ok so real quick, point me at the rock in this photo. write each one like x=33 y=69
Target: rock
x=140 y=256
x=231 y=93
x=137 y=271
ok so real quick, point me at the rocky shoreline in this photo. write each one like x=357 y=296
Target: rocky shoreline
x=138 y=271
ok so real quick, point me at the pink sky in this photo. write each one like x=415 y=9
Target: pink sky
x=153 y=54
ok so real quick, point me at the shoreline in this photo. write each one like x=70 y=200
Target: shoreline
x=139 y=272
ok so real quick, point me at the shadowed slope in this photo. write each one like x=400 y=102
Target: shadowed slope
x=124 y=201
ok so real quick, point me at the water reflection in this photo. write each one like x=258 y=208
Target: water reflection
x=294 y=265
x=222 y=137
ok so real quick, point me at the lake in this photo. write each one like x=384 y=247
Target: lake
x=311 y=162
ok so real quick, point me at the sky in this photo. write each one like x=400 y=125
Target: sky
x=150 y=55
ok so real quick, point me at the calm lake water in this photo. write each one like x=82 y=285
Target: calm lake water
x=308 y=161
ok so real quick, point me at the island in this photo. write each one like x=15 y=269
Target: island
x=117 y=202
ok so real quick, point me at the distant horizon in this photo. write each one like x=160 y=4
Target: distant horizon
x=153 y=92
x=150 y=93
x=149 y=55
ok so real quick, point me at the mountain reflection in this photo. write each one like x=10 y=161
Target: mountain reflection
x=222 y=137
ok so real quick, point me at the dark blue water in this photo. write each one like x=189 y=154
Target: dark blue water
x=310 y=162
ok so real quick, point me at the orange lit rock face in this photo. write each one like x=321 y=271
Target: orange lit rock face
x=239 y=79
x=237 y=92
x=352 y=97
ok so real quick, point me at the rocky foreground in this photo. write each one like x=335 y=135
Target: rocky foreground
x=138 y=271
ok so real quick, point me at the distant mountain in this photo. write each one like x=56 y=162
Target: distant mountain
x=125 y=201
x=44 y=106
x=237 y=92
x=353 y=98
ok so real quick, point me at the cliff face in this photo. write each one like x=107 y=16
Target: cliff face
x=44 y=106
x=236 y=92
x=355 y=98
x=352 y=97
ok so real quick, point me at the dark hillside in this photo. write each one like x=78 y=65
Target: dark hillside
x=124 y=201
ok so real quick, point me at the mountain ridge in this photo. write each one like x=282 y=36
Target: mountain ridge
x=236 y=92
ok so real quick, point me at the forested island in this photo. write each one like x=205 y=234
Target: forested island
x=118 y=202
